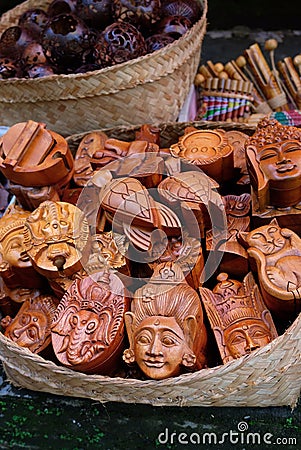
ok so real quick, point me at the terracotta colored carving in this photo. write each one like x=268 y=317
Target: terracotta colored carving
x=237 y=140
x=209 y=150
x=34 y=156
x=149 y=134
x=165 y=326
x=186 y=251
x=88 y=327
x=136 y=212
x=31 y=327
x=38 y=163
x=234 y=256
x=274 y=163
x=57 y=239
x=191 y=193
x=16 y=269
x=277 y=255
x=89 y=145
x=240 y=321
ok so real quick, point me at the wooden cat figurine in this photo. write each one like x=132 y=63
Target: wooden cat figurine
x=277 y=255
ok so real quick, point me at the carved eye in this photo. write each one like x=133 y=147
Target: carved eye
x=273 y=229
x=238 y=339
x=15 y=245
x=259 y=334
x=63 y=223
x=168 y=341
x=267 y=156
x=257 y=236
x=91 y=326
x=24 y=319
x=32 y=333
x=74 y=320
x=143 y=339
x=47 y=225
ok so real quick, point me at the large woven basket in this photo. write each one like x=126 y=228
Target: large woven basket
x=149 y=89
x=268 y=377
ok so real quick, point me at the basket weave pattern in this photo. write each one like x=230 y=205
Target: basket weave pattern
x=268 y=377
x=149 y=89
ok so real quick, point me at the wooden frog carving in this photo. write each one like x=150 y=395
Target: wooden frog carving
x=165 y=325
x=276 y=253
x=274 y=164
x=57 y=239
x=209 y=150
x=238 y=316
x=33 y=157
x=88 y=327
x=31 y=327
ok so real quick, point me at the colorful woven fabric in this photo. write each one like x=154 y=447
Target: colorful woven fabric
x=292 y=117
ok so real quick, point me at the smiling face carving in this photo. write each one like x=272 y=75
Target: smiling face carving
x=273 y=156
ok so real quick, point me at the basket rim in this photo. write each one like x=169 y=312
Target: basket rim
x=190 y=41
x=180 y=379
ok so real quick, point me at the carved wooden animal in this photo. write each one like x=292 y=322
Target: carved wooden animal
x=276 y=253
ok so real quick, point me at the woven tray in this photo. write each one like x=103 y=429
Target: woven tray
x=268 y=377
x=149 y=89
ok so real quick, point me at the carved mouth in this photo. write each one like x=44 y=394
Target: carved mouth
x=24 y=258
x=286 y=168
x=155 y=364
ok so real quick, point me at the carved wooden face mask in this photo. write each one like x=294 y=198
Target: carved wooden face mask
x=11 y=237
x=56 y=237
x=31 y=326
x=88 y=328
x=165 y=325
x=240 y=321
x=274 y=162
x=208 y=149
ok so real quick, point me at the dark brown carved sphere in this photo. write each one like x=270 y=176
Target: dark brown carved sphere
x=13 y=40
x=65 y=41
x=33 y=54
x=157 y=41
x=34 y=20
x=9 y=69
x=191 y=9
x=142 y=14
x=95 y=13
x=57 y=7
x=175 y=26
x=118 y=43
x=39 y=71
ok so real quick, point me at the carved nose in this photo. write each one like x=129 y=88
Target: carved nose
x=156 y=348
x=251 y=345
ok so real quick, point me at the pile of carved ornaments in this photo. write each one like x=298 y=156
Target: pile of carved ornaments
x=126 y=258
x=76 y=36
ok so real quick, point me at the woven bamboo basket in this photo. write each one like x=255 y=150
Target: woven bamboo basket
x=270 y=376
x=149 y=89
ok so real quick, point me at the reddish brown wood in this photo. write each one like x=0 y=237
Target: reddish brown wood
x=31 y=156
x=165 y=326
x=274 y=163
x=275 y=254
x=88 y=327
x=30 y=328
x=238 y=316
